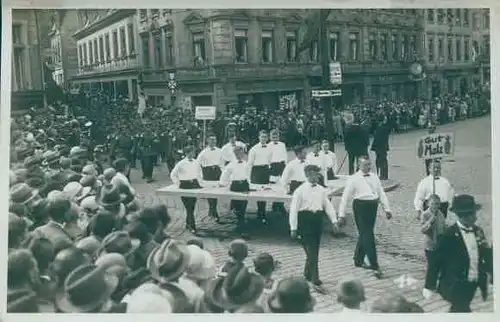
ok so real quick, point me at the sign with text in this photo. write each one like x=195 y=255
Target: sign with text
x=205 y=113
x=335 y=73
x=437 y=145
x=327 y=93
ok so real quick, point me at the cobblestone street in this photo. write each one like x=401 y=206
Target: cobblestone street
x=399 y=241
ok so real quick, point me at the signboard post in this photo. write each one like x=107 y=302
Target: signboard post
x=204 y=113
x=435 y=146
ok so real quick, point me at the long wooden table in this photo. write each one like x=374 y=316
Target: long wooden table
x=268 y=193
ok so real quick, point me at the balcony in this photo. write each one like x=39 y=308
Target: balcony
x=113 y=65
x=263 y=70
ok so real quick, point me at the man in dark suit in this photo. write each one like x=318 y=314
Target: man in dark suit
x=380 y=146
x=356 y=143
x=464 y=257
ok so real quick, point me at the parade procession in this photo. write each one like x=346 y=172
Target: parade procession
x=151 y=180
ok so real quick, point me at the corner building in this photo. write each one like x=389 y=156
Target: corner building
x=233 y=56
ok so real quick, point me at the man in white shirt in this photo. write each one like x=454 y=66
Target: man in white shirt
x=365 y=189
x=466 y=257
x=211 y=163
x=314 y=157
x=330 y=160
x=259 y=161
x=294 y=175
x=228 y=149
x=309 y=204
x=433 y=184
x=235 y=175
x=279 y=156
x=187 y=174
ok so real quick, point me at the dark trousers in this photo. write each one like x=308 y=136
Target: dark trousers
x=443 y=207
x=365 y=214
x=277 y=170
x=147 y=166
x=382 y=165
x=239 y=207
x=460 y=303
x=212 y=173
x=310 y=229
x=432 y=272
x=260 y=175
x=189 y=203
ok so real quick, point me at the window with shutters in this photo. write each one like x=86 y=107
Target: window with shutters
x=334 y=46
x=241 y=43
x=199 y=48
x=267 y=46
x=291 y=46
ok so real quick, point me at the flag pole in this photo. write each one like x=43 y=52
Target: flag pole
x=42 y=62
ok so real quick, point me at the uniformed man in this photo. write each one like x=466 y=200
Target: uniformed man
x=210 y=160
x=147 y=152
x=259 y=161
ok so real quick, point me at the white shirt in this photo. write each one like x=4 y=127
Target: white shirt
x=309 y=198
x=234 y=171
x=279 y=152
x=316 y=160
x=424 y=190
x=210 y=157
x=259 y=155
x=228 y=150
x=472 y=250
x=120 y=179
x=363 y=188
x=186 y=170
x=330 y=160
x=294 y=171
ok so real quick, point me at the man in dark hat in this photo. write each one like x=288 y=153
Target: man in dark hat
x=466 y=257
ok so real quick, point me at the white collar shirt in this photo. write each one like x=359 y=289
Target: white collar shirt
x=186 y=170
x=316 y=159
x=424 y=190
x=294 y=171
x=279 y=152
x=234 y=171
x=470 y=242
x=330 y=160
x=310 y=198
x=363 y=187
x=210 y=157
x=259 y=155
x=228 y=150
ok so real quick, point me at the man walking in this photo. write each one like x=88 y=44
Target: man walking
x=366 y=190
x=380 y=146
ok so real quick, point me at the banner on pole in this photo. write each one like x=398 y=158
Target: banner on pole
x=437 y=145
x=205 y=113
x=335 y=73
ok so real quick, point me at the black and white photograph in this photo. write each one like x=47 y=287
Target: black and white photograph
x=306 y=160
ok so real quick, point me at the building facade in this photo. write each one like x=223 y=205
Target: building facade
x=106 y=52
x=233 y=56
x=63 y=48
x=27 y=69
x=457 y=50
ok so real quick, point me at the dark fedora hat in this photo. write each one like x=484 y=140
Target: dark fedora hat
x=22 y=193
x=464 y=204
x=86 y=289
x=168 y=261
x=109 y=196
x=240 y=287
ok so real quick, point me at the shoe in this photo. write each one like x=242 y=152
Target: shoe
x=377 y=273
x=427 y=294
x=317 y=282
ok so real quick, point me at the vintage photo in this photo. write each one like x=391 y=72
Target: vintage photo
x=250 y=161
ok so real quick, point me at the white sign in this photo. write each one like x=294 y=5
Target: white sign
x=437 y=145
x=205 y=113
x=327 y=93
x=335 y=73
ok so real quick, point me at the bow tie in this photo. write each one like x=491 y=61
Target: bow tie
x=467 y=230
x=313 y=184
x=301 y=161
x=264 y=146
x=275 y=143
x=436 y=178
x=240 y=161
x=366 y=175
x=190 y=160
x=212 y=149
x=316 y=154
x=326 y=152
